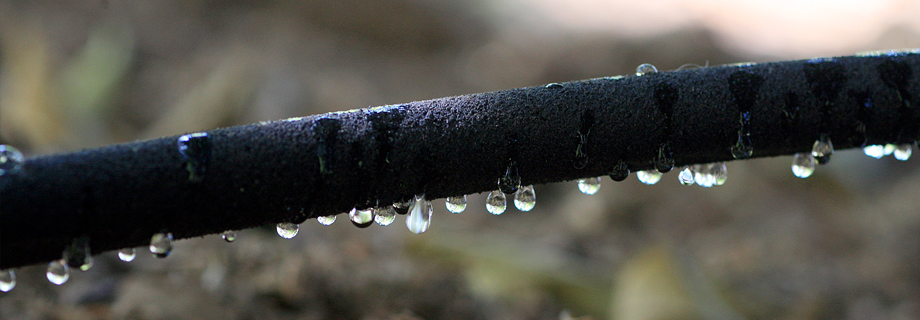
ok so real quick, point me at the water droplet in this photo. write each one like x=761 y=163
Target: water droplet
x=456 y=204
x=686 y=176
x=876 y=151
x=228 y=235
x=78 y=255
x=287 y=230
x=419 y=215
x=648 y=177
x=665 y=161
x=589 y=186
x=553 y=86
x=645 y=68
x=902 y=152
x=620 y=171
x=328 y=220
x=719 y=172
x=496 y=202
x=195 y=148
x=127 y=254
x=743 y=149
x=7 y=280
x=889 y=149
x=510 y=182
x=822 y=150
x=525 y=198
x=803 y=165
x=10 y=160
x=703 y=175
x=58 y=272
x=361 y=218
x=402 y=207
x=384 y=216
x=161 y=244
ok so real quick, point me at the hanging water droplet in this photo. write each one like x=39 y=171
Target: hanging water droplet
x=822 y=149
x=287 y=230
x=10 y=160
x=361 y=218
x=665 y=161
x=384 y=216
x=525 y=198
x=456 y=204
x=419 y=215
x=648 y=177
x=803 y=165
x=510 y=182
x=703 y=175
x=195 y=149
x=78 y=255
x=589 y=186
x=645 y=68
x=620 y=171
x=402 y=207
x=876 y=151
x=496 y=202
x=743 y=148
x=889 y=149
x=127 y=254
x=7 y=280
x=58 y=272
x=686 y=176
x=161 y=244
x=228 y=235
x=902 y=152
x=328 y=220
x=720 y=173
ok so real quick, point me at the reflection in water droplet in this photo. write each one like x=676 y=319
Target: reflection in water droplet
x=384 y=216
x=620 y=171
x=228 y=235
x=876 y=151
x=525 y=198
x=361 y=218
x=889 y=149
x=822 y=150
x=58 y=272
x=10 y=160
x=456 y=204
x=645 y=68
x=496 y=202
x=195 y=149
x=902 y=152
x=703 y=175
x=7 y=280
x=127 y=254
x=686 y=176
x=328 y=220
x=510 y=182
x=648 y=177
x=161 y=244
x=589 y=186
x=719 y=172
x=419 y=218
x=803 y=165
x=743 y=148
x=402 y=207
x=287 y=230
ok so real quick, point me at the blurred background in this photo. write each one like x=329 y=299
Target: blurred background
x=843 y=244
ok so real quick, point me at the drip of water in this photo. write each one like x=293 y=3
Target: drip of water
x=889 y=149
x=876 y=151
x=665 y=161
x=648 y=177
x=456 y=204
x=589 y=186
x=58 y=272
x=525 y=198
x=553 y=86
x=361 y=218
x=161 y=244
x=646 y=68
x=127 y=254
x=384 y=216
x=195 y=149
x=822 y=150
x=419 y=218
x=703 y=175
x=402 y=207
x=902 y=152
x=510 y=182
x=686 y=176
x=328 y=220
x=496 y=202
x=78 y=255
x=620 y=171
x=720 y=173
x=803 y=165
x=228 y=235
x=743 y=148
x=7 y=280
x=10 y=160
x=287 y=230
